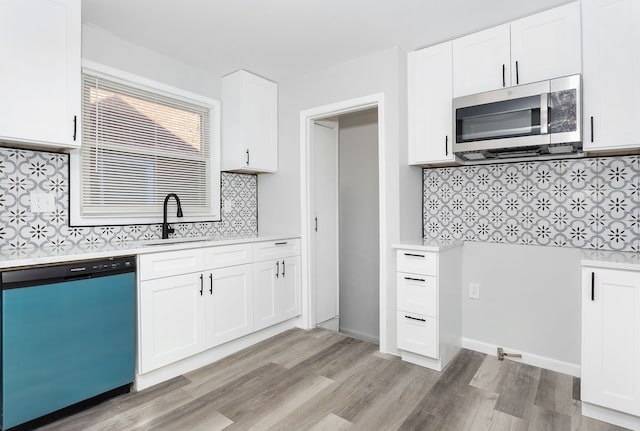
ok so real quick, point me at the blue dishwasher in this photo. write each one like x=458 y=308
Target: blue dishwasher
x=68 y=338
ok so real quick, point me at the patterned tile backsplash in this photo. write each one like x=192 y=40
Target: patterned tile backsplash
x=591 y=203
x=24 y=171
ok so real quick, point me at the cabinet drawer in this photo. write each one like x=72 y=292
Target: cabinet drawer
x=227 y=255
x=418 y=294
x=276 y=249
x=418 y=334
x=156 y=265
x=417 y=262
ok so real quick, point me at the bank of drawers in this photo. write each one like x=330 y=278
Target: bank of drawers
x=417 y=302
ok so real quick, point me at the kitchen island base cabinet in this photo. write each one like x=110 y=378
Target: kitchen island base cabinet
x=429 y=319
x=611 y=340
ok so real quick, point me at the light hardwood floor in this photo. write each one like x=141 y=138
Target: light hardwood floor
x=321 y=380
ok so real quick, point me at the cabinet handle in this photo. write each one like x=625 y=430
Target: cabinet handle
x=517 y=74
x=414 y=255
x=593 y=286
x=277 y=268
x=247 y=157
x=446 y=145
x=504 y=76
x=211 y=284
x=592 y=129
x=415 y=318
x=283 y=269
x=316 y=228
x=281 y=243
x=201 y=284
x=75 y=126
x=415 y=279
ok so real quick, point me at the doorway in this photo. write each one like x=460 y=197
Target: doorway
x=345 y=255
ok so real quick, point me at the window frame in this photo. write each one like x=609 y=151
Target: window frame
x=76 y=216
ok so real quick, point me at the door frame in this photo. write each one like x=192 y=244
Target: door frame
x=307 y=117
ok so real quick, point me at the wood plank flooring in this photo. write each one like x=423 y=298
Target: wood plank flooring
x=320 y=380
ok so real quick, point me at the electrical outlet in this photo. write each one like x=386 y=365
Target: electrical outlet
x=474 y=290
x=228 y=206
x=42 y=202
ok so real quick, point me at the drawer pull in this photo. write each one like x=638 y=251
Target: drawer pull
x=281 y=243
x=415 y=279
x=414 y=255
x=415 y=318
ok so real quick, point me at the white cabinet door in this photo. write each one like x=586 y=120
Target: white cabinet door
x=265 y=308
x=40 y=76
x=546 y=45
x=229 y=294
x=430 y=91
x=481 y=61
x=172 y=320
x=276 y=293
x=289 y=288
x=611 y=339
x=611 y=50
x=249 y=123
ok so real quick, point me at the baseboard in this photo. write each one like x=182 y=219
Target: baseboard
x=360 y=336
x=611 y=416
x=527 y=358
x=331 y=324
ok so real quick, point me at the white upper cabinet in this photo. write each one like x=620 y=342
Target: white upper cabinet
x=430 y=110
x=546 y=45
x=481 y=61
x=40 y=76
x=249 y=123
x=541 y=46
x=611 y=49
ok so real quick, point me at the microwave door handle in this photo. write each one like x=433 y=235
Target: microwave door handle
x=544 y=113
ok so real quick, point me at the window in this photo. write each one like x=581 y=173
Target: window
x=140 y=143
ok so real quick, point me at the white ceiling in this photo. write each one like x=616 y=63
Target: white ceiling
x=281 y=38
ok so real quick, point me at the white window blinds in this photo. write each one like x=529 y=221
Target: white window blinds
x=138 y=146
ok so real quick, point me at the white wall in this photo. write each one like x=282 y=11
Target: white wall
x=105 y=48
x=279 y=195
x=359 y=239
x=529 y=298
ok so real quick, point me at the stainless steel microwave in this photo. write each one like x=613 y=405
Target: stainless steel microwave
x=538 y=119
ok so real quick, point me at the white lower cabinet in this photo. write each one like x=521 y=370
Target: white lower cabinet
x=429 y=321
x=276 y=291
x=229 y=298
x=419 y=334
x=222 y=296
x=171 y=321
x=611 y=341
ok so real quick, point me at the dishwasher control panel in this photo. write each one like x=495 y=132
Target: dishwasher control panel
x=66 y=271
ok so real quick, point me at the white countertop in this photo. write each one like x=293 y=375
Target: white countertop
x=611 y=259
x=47 y=255
x=426 y=245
